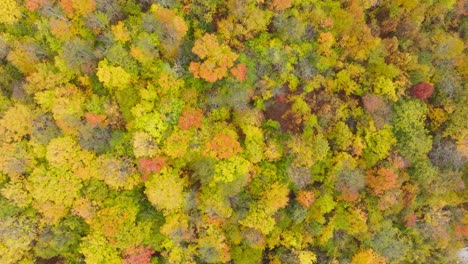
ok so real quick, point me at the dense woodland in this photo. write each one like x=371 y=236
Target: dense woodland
x=233 y=131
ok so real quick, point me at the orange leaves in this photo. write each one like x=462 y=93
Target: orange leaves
x=33 y=5
x=218 y=59
x=95 y=119
x=148 y=166
x=191 y=118
x=281 y=4
x=81 y=7
x=174 y=29
x=381 y=180
x=240 y=72
x=305 y=198
x=205 y=46
x=222 y=146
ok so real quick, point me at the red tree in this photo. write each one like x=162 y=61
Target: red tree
x=422 y=91
x=138 y=255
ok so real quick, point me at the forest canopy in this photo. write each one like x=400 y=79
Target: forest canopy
x=237 y=131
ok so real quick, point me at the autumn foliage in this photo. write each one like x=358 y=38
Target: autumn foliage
x=222 y=146
x=422 y=91
x=305 y=198
x=381 y=180
x=218 y=58
x=190 y=118
x=238 y=131
x=138 y=255
x=148 y=166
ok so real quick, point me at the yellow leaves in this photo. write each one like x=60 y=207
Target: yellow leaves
x=260 y=220
x=9 y=12
x=120 y=32
x=306 y=257
x=165 y=190
x=80 y=7
x=16 y=123
x=23 y=58
x=367 y=256
x=174 y=29
x=275 y=198
x=114 y=77
x=53 y=191
x=218 y=59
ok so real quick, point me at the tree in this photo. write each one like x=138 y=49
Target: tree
x=190 y=118
x=367 y=256
x=138 y=255
x=165 y=190
x=422 y=91
x=230 y=170
x=408 y=125
x=173 y=30
x=275 y=197
x=239 y=72
x=281 y=4
x=223 y=146
x=117 y=173
x=381 y=180
x=257 y=218
x=34 y=5
x=113 y=77
x=9 y=12
x=148 y=166
x=16 y=238
x=305 y=198
x=218 y=58
x=96 y=249
x=16 y=159
x=378 y=145
x=53 y=191
x=16 y=123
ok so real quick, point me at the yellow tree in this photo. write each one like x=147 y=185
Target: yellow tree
x=218 y=58
x=9 y=12
x=367 y=256
x=172 y=32
x=165 y=190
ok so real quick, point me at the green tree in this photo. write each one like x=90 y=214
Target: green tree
x=409 y=128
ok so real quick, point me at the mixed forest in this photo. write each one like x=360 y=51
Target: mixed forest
x=233 y=131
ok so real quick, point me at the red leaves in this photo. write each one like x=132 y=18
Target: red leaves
x=240 y=72
x=191 y=118
x=148 y=166
x=422 y=91
x=410 y=220
x=138 y=255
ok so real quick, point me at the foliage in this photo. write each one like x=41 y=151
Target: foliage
x=218 y=58
x=243 y=131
